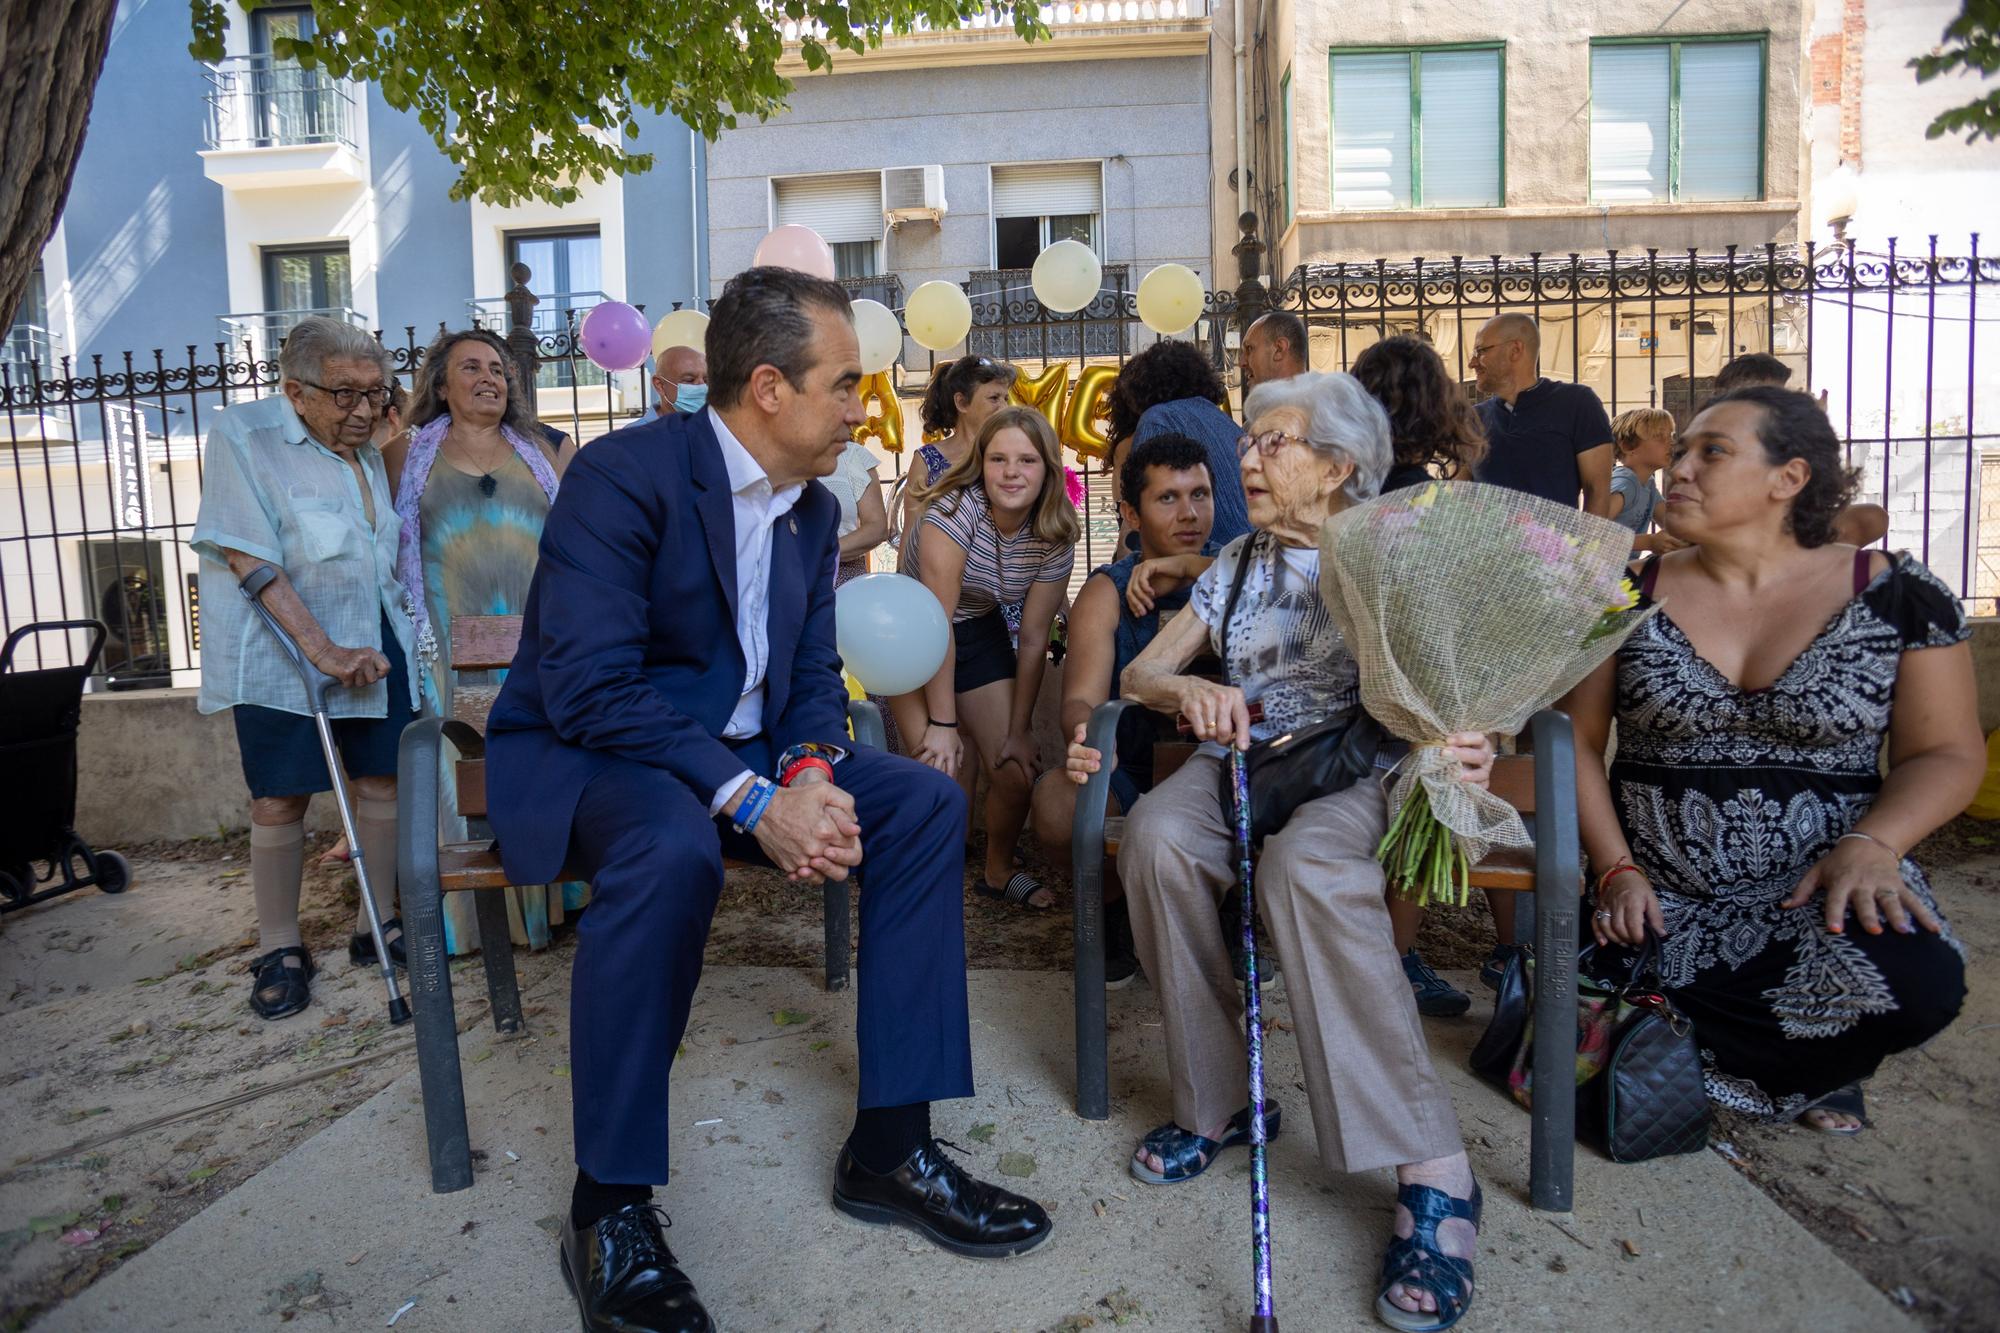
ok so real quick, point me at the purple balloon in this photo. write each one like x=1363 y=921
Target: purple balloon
x=615 y=336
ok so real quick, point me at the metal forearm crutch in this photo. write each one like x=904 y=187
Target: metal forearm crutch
x=1264 y=1317
x=317 y=683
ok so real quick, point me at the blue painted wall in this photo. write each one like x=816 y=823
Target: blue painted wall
x=424 y=271
x=143 y=224
x=666 y=231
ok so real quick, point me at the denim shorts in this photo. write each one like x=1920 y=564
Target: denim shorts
x=281 y=751
x=985 y=652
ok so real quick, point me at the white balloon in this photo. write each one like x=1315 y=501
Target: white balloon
x=939 y=316
x=1067 y=276
x=890 y=630
x=880 y=334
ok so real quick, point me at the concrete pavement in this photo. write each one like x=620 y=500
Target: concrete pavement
x=343 y=1232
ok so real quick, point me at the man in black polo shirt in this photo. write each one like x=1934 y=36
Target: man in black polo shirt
x=1543 y=436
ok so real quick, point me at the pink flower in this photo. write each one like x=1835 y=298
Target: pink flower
x=1073 y=487
x=1545 y=542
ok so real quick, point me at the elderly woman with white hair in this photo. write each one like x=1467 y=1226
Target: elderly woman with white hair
x=1316 y=445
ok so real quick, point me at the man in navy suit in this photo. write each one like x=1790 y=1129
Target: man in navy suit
x=677 y=697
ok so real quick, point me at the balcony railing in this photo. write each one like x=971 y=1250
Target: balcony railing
x=1059 y=17
x=1009 y=323
x=884 y=287
x=30 y=354
x=262 y=102
x=563 y=364
x=263 y=332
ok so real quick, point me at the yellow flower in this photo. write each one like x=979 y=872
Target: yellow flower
x=1628 y=597
x=1428 y=498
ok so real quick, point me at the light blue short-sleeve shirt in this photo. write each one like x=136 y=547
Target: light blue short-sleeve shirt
x=272 y=491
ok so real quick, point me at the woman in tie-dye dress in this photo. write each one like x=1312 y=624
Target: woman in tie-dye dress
x=476 y=475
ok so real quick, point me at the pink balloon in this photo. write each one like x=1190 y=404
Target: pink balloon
x=614 y=336
x=793 y=246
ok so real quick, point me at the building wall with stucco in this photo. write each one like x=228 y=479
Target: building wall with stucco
x=1546 y=205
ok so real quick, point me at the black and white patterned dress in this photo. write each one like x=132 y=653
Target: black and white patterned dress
x=1728 y=796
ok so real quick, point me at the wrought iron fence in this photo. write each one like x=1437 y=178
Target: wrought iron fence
x=103 y=454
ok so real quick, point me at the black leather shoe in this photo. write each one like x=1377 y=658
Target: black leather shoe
x=932 y=1194
x=279 y=991
x=624 y=1278
x=361 y=948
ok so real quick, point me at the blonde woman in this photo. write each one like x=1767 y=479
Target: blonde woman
x=998 y=528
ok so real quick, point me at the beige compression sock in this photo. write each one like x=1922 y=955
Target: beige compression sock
x=375 y=824
x=277 y=866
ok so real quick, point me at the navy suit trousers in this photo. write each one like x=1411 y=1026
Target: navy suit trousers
x=654 y=861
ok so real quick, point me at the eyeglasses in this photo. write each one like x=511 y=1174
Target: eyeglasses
x=1268 y=443
x=345 y=399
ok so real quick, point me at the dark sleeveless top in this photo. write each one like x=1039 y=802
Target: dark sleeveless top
x=1140 y=728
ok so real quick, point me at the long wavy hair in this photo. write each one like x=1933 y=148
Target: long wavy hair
x=1432 y=423
x=1054 y=517
x=427 y=399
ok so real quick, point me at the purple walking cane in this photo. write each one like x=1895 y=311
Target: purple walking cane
x=1264 y=1319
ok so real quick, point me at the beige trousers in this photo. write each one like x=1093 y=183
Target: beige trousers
x=1376 y=1100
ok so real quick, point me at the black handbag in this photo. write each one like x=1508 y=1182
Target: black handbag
x=1639 y=1087
x=1287 y=771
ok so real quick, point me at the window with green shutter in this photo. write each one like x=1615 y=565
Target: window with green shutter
x=1679 y=121
x=1418 y=127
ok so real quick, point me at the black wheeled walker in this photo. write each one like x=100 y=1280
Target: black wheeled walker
x=41 y=855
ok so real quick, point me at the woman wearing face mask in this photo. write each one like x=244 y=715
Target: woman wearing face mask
x=474 y=478
x=998 y=529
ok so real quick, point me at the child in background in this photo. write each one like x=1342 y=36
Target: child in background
x=1644 y=440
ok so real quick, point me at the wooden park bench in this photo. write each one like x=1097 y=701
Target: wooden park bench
x=427 y=869
x=1547 y=879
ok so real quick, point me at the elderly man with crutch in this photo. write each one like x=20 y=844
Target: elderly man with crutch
x=292 y=485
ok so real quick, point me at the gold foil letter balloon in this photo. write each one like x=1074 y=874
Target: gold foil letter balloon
x=885 y=411
x=1044 y=392
x=1083 y=418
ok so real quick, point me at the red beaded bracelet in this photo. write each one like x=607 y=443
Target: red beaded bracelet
x=1622 y=865
x=801 y=765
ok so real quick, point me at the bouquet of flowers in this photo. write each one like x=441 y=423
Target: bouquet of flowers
x=1468 y=608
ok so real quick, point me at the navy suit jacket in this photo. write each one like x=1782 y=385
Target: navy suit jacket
x=629 y=648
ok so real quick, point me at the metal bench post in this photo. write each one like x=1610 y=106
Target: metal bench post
x=1086 y=849
x=1558 y=878
x=430 y=969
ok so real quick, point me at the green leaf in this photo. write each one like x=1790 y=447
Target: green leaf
x=44 y=1226
x=980 y=1133
x=820 y=1045
x=202 y=1173
x=1017 y=1164
x=785 y=1018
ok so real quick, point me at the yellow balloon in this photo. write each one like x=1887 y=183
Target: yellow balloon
x=1170 y=299
x=679 y=328
x=1083 y=418
x=1067 y=276
x=1044 y=392
x=879 y=391
x=938 y=315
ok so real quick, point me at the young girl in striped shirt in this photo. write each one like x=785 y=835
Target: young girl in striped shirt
x=998 y=528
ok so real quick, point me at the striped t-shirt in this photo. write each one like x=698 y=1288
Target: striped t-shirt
x=998 y=570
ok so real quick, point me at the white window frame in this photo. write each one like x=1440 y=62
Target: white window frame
x=881 y=217
x=1097 y=229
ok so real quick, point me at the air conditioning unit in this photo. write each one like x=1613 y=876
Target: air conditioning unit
x=913 y=194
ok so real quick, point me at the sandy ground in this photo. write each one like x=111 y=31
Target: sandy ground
x=140 y=1089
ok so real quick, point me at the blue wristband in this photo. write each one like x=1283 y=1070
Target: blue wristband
x=754 y=804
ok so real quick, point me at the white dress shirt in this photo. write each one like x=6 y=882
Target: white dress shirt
x=756 y=509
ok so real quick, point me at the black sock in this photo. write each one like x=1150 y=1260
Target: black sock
x=885 y=1136
x=590 y=1200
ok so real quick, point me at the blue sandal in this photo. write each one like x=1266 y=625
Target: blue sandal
x=1187 y=1155
x=1417 y=1260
